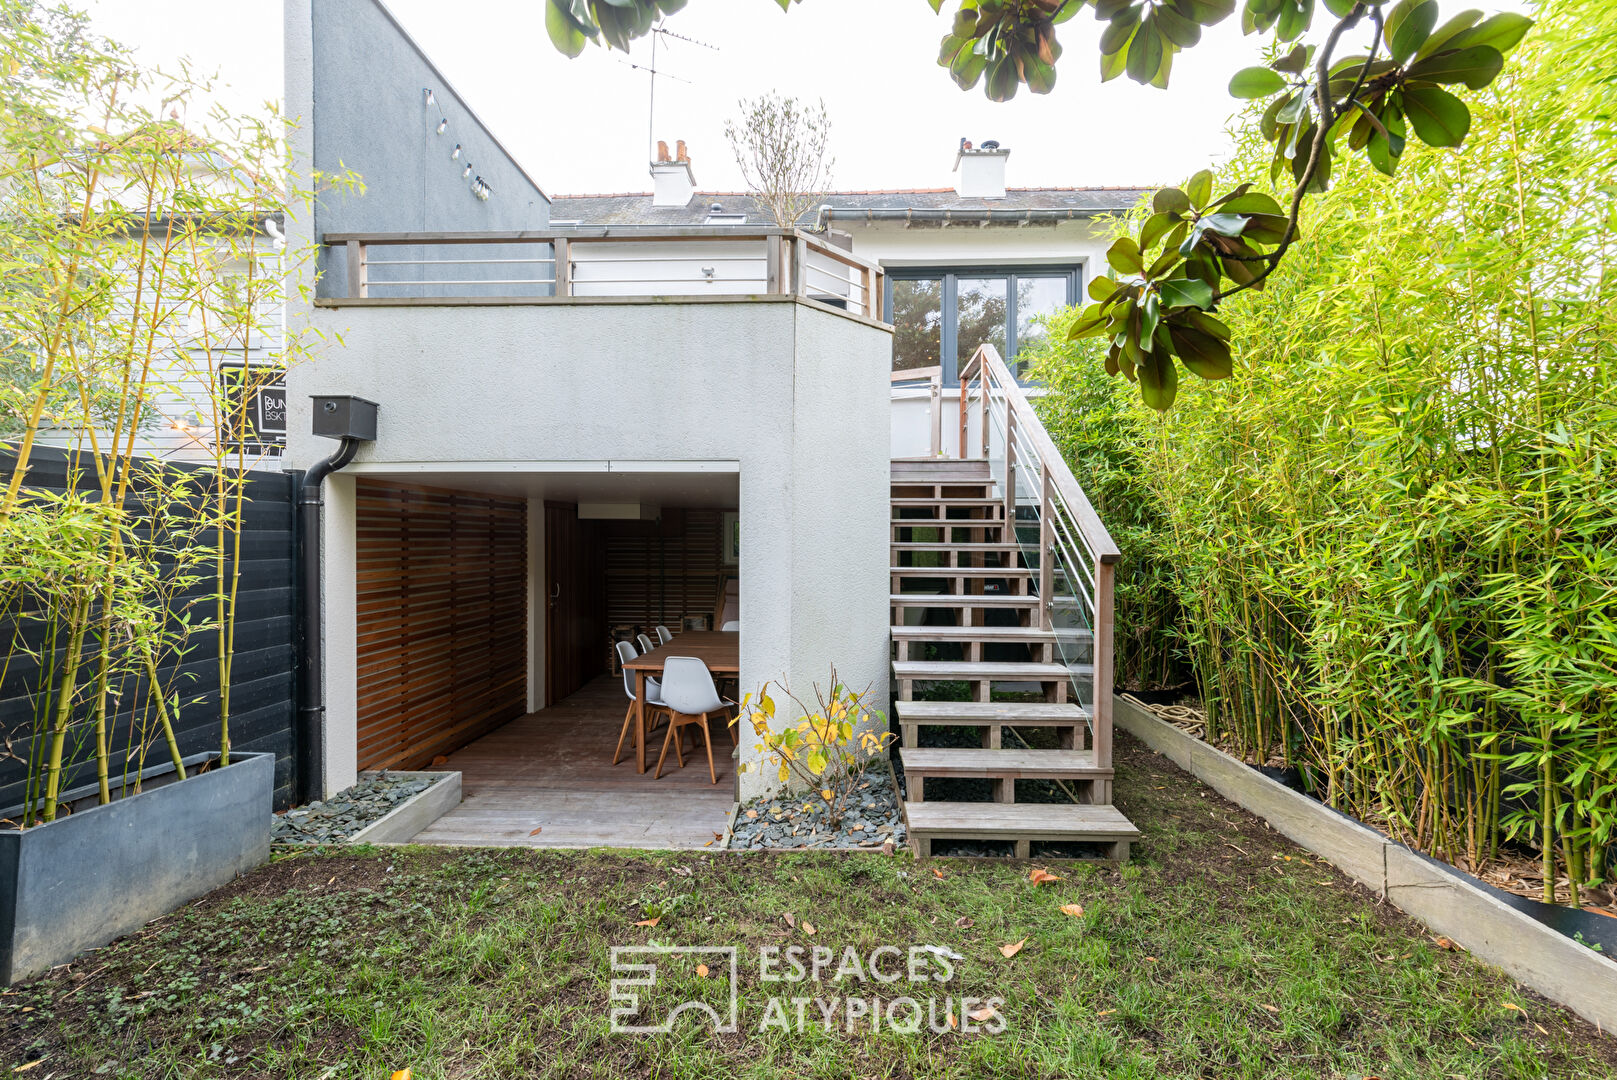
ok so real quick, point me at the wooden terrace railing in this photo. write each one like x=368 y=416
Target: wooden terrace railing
x=622 y=261
x=1076 y=556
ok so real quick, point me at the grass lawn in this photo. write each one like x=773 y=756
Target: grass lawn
x=1222 y=950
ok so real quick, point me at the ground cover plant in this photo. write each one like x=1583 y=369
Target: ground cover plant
x=1220 y=950
x=1391 y=538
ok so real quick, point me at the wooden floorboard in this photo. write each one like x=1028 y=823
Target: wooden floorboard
x=553 y=771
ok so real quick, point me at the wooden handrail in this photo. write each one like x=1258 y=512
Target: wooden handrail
x=986 y=363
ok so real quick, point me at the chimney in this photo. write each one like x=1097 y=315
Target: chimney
x=673 y=183
x=980 y=171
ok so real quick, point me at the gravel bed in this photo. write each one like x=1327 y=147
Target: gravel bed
x=335 y=820
x=872 y=819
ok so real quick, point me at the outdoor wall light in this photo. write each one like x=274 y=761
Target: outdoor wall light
x=443 y=125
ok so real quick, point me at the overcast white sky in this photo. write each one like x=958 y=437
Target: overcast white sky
x=581 y=125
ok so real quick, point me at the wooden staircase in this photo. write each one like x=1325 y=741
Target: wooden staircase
x=967 y=574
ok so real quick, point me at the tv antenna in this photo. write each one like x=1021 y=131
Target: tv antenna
x=651 y=70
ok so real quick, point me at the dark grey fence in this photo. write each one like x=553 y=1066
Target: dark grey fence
x=263 y=689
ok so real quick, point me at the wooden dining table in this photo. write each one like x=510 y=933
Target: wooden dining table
x=720 y=650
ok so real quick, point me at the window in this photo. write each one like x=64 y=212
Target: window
x=940 y=316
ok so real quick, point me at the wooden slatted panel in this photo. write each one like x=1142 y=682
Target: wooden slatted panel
x=661 y=572
x=442 y=620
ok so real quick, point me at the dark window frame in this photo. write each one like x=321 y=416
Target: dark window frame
x=950 y=274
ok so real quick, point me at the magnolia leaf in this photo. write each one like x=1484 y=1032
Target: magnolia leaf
x=1008 y=951
x=565 y=32
x=1203 y=354
x=1294 y=61
x=1438 y=117
x=1186 y=292
x=1409 y=24
x=1200 y=188
x=1170 y=200
x=1145 y=52
x=1254 y=203
x=1075 y=910
x=1256 y=82
x=1476 y=66
x=1101 y=289
x=1159 y=380
x=1155 y=228
x=1502 y=31
x=1092 y=323
x=1440 y=37
x=1124 y=256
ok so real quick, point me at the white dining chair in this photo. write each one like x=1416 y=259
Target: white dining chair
x=663 y=635
x=654 y=704
x=645 y=643
x=733 y=624
x=690 y=697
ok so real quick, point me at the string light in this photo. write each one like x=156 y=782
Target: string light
x=431 y=97
x=455 y=153
x=443 y=125
x=467 y=171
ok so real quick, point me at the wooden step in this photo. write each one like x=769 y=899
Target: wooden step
x=1074 y=768
x=1069 y=720
x=973 y=638
x=961 y=571
x=1052 y=677
x=990 y=547
x=924 y=502
x=1020 y=823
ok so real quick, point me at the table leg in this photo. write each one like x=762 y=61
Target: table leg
x=640 y=720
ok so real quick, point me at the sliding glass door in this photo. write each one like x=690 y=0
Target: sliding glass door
x=940 y=316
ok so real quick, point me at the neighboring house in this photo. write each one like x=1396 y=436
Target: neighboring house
x=965 y=264
x=203 y=363
x=590 y=428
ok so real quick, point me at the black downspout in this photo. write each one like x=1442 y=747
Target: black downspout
x=311 y=764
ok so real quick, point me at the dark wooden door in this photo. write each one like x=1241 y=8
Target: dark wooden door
x=575 y=617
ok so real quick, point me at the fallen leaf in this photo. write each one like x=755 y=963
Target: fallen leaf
x=537 y=831
x=30 y=1065
x=937 y=873
x=683 y=871
x=1075 y=910
x=331 y=879
x=1447 y=943
x=701 y=969
x=1040 y=876
x=1271 y=1008
x=718 y=836
x=1106 y=1012
x=808 y=928
x=964 y=922
x=791 y=920
x=650 y=922
x=1513 y=1005
x=886 y=848
x=707 y=843
x=402 y=1074
x=1008 y=951
x=752 y=813
x=952 y=1021
x=1151 y=959
x=987 y=1012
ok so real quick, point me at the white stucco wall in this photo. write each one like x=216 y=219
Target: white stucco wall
x=793 y=395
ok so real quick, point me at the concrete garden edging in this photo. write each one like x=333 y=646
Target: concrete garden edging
x=401 y=824
x=99 y=873
x=1446 y=901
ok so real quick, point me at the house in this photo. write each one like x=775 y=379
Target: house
x=968 y=262
x=587 y=428
x=198 y=259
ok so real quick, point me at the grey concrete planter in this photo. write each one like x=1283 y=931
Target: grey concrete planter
x=400 y=824
x=1448 y=902
x=103 y=871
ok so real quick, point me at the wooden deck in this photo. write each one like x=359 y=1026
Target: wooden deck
x=553 y=771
